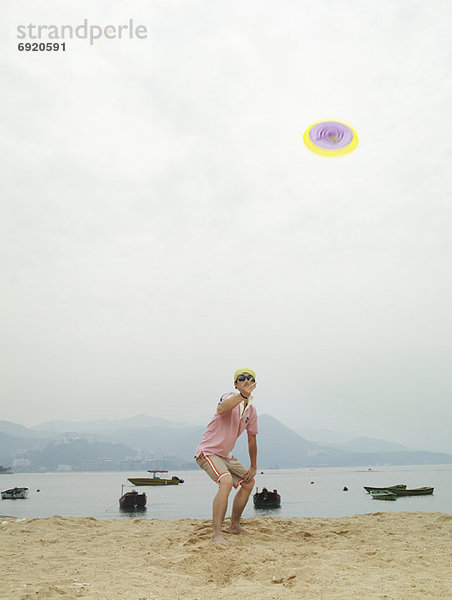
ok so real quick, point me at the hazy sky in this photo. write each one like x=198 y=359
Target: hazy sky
x=162 y=222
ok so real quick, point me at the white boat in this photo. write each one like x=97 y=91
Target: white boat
x=13 y=493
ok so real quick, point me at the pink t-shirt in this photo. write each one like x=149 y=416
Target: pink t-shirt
x=223 y=430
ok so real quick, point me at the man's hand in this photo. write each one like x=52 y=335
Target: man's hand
x=249 y=474
x=247 y=387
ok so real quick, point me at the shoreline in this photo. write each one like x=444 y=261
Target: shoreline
x=122 y=518
x=376 y=555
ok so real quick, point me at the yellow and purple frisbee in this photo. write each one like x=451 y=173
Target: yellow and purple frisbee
x=330 y=138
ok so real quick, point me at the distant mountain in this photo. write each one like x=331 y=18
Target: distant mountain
x=279 y=446
x=104 y=426
x=365 y=444
x=341 y=441
x=11 y=445
x=323 y=436
x=21 y=431
x=167 y=440
x=139 y=441
x=79 y=453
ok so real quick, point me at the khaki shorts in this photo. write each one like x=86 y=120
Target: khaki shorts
x=216 y=467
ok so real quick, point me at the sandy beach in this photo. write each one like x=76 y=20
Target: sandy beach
x=379 y=555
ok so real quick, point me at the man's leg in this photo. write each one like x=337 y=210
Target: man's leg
x=220 y=505
x=240 y=500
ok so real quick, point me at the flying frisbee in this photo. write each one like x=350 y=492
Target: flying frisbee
x=330 y=138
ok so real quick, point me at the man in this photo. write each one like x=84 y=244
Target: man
x=235 y=412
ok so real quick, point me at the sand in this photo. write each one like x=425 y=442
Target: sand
x=381 y=555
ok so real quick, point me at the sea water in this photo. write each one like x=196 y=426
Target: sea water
x=315 y=492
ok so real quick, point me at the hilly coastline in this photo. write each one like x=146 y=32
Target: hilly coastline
x=144 y=442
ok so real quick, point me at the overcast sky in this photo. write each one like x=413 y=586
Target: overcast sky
x=162 y=222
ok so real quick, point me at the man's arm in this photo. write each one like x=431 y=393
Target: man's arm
x=229 y=404
x=232 y=402
x=252 y=449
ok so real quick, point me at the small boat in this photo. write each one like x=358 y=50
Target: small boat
x=422 y=491
x=155 y=479
x=14 y=493
x=383 y=495
x=266 y=499
x=133 y=500
x=400 y=486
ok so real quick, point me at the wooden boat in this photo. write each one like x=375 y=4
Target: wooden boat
x=266 y=499
x=155 y=479
x=133 y=500
x=422 y=491
x=400 y=486
x=383 y=495
x=14 y=493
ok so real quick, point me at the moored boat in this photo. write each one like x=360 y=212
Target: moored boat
x=422 y=491
x=155 y=479
x=383 y=495
x=266 y=499
x=15 y=493
x=133 y=500
x=400 y=486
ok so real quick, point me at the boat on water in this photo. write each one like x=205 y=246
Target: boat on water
x=383 y=495
x=15 y=493
x=133 y=501
x=155 y=479
x=398 y=490
x=266 y=499
x=422 y=491
x=5 y=470
x=400 y=486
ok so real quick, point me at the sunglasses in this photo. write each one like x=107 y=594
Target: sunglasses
x=247 y=377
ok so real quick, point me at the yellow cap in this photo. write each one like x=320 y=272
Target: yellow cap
x=244 y=370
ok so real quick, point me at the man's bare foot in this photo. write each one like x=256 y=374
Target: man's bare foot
x=237 y=529
x=219 y=539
